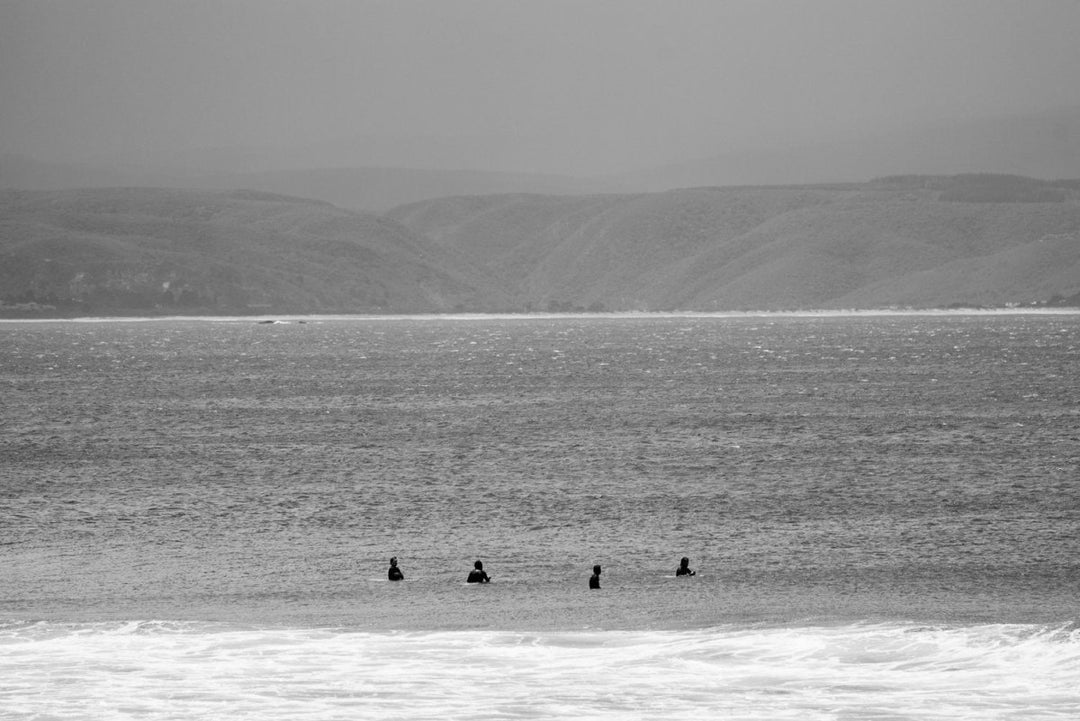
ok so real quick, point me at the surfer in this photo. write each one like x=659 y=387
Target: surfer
x=395 y=574
x=477 y=575
x=594 y=579
x=684 y=568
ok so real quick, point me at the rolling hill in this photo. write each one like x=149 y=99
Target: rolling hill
x=905 y=241
x=144 y=250
x=912 y=241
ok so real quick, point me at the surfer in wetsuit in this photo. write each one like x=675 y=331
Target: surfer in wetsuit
x=684 y=568
x=395 y=574
x=477 y=575
x=594 y=579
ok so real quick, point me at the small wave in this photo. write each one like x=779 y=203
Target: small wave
x=189 y=670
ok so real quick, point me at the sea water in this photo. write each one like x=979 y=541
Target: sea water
x=883 y=512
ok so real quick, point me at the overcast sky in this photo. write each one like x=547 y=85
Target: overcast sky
x=557 y=86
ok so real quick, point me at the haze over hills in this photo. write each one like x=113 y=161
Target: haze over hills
x=913 y=241
x=364 y=175
x=368 y=189
x=1040 y=145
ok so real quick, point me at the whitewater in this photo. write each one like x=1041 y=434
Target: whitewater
x=159 y=670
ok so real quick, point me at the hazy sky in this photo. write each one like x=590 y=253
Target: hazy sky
x=562 y=85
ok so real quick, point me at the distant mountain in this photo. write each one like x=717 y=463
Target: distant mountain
x=903 y=241
x=377 y=173
x=140 y=250
x=1045 y=145
x=915 y=241
x=363 y=189
x=19 y=172
x=380 y=189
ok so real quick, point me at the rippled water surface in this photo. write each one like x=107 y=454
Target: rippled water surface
x=919 y=467
x=884 y=513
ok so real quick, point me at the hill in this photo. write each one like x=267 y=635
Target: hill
x=144 y=250
x=911 y=241
x=902 y=241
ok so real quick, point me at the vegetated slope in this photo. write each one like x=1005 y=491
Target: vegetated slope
x=145 y=250
x=913 y=241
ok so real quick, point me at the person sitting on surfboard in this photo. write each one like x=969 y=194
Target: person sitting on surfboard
x=684 y=568
x=477 y=575
x=395 y=574
x=594 y=579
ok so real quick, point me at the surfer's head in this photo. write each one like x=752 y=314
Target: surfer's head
x=479 y=566
x=685 y=562
x=596 y=569
x=393 y=561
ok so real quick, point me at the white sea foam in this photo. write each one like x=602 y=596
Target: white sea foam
x=186 y=671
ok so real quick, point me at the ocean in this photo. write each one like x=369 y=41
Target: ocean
x=882 y=510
